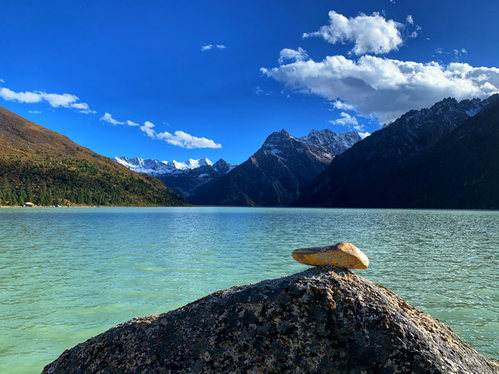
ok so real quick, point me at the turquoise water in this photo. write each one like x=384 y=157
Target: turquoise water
x=69 y=274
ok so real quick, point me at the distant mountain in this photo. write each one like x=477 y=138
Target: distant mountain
x=183 y=177
x=277 y=172
x=441 y=157
x=156 y=167
x=47 y=168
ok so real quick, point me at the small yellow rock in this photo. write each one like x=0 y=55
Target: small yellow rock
x=343 y=254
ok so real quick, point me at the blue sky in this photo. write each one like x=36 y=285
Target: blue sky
x=296 y=65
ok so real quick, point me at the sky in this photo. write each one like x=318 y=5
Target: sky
x=190 y=79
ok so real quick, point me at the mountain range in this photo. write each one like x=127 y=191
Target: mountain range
x=277 y=173
x=183 y=177
x=47 y=168
x=446 y=156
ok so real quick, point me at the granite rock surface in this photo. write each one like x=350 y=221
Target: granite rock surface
x=322 y=320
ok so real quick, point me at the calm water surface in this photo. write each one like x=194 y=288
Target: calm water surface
x=69 y=274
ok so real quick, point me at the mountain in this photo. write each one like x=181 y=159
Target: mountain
x=430 y=158
x=156 y=167
x=47 y=168
x=277 y=172
x=183 y=177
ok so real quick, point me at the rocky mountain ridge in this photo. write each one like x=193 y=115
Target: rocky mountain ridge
x=277 y=172
x=374 y=172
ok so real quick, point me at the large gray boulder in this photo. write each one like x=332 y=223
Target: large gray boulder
x=321 y=320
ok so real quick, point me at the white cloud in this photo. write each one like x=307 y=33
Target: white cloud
x=341 y=105
x=184 y=140
x=22 y=97
x=178 y=138
x=386 y=87
x=83 y=108
x=107 y=117
x=1 y=80
x=55 y=100
x=410 y=20
x=34 y=112
x=288 y=54
x=131 y=123
x=148 y=128
x=260 y=91
x=345 y=120
x=208 y=47
x=370 y=34
x=364 y=135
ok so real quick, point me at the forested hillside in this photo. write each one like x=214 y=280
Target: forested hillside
x=47 y=168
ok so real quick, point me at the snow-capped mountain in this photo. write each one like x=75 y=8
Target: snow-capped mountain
x=278 y=171
x=156 y=167
x=183 y=177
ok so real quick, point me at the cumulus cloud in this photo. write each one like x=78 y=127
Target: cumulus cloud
x=363 y=135
x=64 y=100
x=107 y=117
x=209 y=47
x=386 y=87
x=345 y=120
x=288 y=54
x=370 y=34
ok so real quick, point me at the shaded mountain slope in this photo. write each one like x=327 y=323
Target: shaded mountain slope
x=275 y=174
x=383 y=171
x=462 y=171
x=40 y=165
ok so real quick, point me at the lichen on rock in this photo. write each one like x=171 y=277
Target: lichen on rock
x=322 y=320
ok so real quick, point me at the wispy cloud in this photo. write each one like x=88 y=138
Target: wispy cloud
x=209 y=47
x=338 y=104
x=184 y=140
x=148 y=128
x=107 y=117
x=131 y=123
x=34 y=112
x=345 y=120
x=64 y=100
x=178 y=138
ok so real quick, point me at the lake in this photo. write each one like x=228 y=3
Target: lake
x=67 y=274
